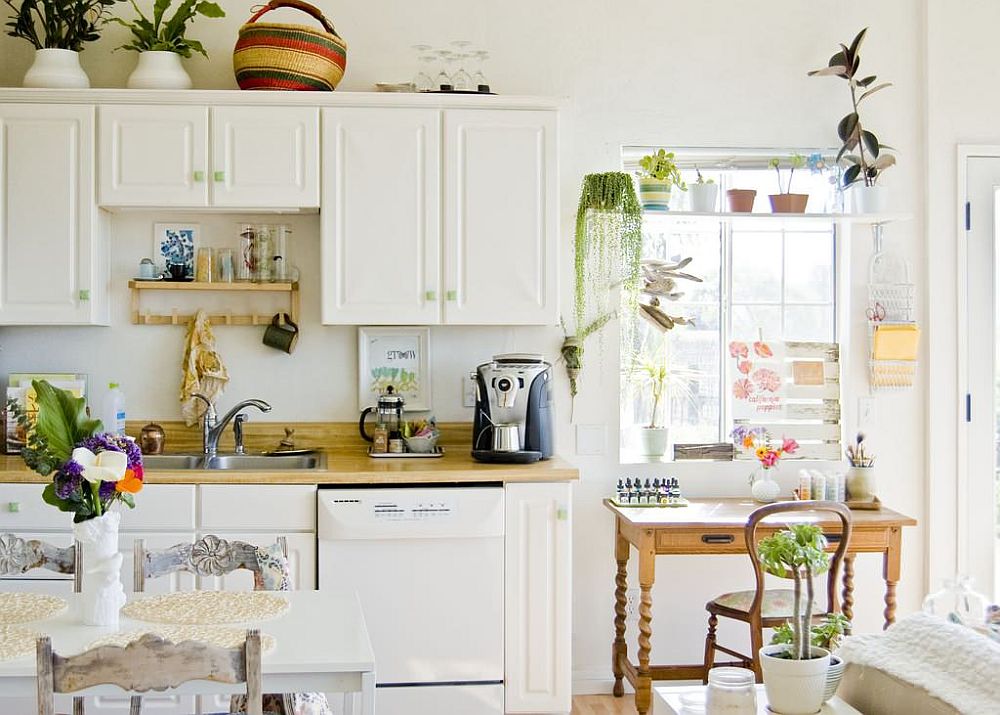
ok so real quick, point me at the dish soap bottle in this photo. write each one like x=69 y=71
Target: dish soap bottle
x=113 y=410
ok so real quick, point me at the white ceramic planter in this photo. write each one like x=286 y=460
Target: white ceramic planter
x=764 y=488
x=833 y=676
x=653 y=441
x=794 y=687
x=861 y=485
x=869 y=199
x=703 y=197
x=56 y=69
x=159 y=70
x=103 y=594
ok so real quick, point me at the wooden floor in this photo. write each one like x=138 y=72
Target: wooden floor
x=603 y=705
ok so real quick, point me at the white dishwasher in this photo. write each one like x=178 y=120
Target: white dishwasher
x=427 y=563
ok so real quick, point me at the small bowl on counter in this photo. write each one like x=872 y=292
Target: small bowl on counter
x=421 y=445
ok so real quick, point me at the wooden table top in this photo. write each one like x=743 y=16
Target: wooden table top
x=734 y=512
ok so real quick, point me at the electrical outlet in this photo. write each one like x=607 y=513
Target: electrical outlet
x=632 y=604
x=468 y=391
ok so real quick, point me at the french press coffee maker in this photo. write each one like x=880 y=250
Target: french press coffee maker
x=388 y=415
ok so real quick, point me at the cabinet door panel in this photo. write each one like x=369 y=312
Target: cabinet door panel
x=501 y=218
x=381 y=216
x=153 y=156
x=51 y=269
x=301 y=563
x=265 y=157
x=538 y=604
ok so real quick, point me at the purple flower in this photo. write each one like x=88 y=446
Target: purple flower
x=111 y=442
x=107 y=491
x=68 y=479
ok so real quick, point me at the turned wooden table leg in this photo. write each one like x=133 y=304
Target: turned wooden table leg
x=644 y=682
x=619 y=649
x=847 y=595
x=891 y=568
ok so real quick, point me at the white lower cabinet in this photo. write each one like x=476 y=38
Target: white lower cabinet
x=537 y=603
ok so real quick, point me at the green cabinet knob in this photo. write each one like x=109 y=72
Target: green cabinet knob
x=451 y=295
x=430 y=295
x=199 y=176
x=220 y=176
x=14 y=507
x=84 y=295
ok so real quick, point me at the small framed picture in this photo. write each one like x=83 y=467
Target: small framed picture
x=400 y=357
x=175 y=243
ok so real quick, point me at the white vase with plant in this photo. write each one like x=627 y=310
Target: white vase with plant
x=658 y=175
x=795 y=673
x=654 y=437
x=58 y=32
x=703 y=193
x=162 y=42
x=865 y=157
x=860 y=481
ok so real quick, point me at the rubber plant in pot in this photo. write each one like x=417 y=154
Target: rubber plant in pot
x=785 y=202
x=658 y=175
x=58 y=30
x=826 y=634
x=795 y=674
x=865 y=157
x=162 y=42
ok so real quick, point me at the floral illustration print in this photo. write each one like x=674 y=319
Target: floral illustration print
x=767 y=379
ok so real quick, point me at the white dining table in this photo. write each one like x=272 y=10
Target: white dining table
x=321 y=645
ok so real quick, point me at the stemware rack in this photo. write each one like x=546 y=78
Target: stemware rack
x=142 y=316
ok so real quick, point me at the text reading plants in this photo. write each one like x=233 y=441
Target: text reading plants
x=160 y=34
x=871 y=157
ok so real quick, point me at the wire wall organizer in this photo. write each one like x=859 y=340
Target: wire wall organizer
x=894 y=334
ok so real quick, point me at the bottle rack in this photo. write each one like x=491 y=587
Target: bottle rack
x=142 y=316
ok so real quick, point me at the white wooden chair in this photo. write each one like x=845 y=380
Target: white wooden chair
x=150 y=663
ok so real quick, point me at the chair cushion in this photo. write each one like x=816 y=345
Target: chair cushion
x=778 y=603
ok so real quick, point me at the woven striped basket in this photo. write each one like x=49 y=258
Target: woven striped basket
x=277 y=56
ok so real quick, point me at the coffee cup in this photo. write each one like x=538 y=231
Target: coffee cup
x=282 y=334
x=177 y=271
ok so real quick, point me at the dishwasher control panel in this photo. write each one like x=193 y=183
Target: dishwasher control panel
x=406 y=510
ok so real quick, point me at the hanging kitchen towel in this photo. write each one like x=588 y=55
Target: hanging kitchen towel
x=202 y=369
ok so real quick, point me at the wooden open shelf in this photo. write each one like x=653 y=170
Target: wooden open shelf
x=175 y=317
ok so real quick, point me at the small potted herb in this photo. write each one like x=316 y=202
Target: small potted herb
x=58 y=30
x=703 y=193
x=826 y=634
x=785 y=202
x=658 y=175
x=795 y=673
x=161 y=42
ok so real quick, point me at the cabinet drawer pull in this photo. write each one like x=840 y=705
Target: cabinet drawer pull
x=451 y=295
x=199 y=176
x=13 y=506
x=84 y=295
x=220 y=176
x=718 y=538
x=430 y=295
x=833 y=538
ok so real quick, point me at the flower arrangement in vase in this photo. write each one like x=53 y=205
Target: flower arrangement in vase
x=91 y=472
x=768 y=453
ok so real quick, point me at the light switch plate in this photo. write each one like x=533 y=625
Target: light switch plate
x=468 y=392
x=866 y=412
x=590 y=440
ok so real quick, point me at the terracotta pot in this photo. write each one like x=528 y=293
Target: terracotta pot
x=741 y=200
x=789 y=203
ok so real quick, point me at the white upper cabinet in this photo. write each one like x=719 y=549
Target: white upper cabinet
x=197 y=157
x=381 y=216
x=265 y=156
x=153 y=156
x=501 y=217
x=53 y=250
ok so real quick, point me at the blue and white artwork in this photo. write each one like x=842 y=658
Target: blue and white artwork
x=173 y=243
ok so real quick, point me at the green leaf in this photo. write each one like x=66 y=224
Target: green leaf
x=836 y=71
x=127 y=499
x=847 y=126
x=871 y=143
x=210 y=9
x=866 y=81
x=856 y=42
x=852 y=174
x=49 y=496
x=873 y=90
x=62 y=419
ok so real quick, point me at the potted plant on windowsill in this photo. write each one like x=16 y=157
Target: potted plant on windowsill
x=703 y=193
x=826 y=634
x=866 y=158
x=795 y=674
x=658 y=174
x=58 y=31
x=785 y=202
x=161 y=43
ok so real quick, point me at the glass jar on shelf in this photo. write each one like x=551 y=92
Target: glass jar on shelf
x=244 y=259
x=730 y=691
x=261 y=254
x=957 y=602
x=280 y=264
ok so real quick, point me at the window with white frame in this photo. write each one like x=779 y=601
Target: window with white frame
x=769 y=276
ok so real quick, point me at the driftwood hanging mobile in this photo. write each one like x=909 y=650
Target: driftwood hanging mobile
x=659 y=283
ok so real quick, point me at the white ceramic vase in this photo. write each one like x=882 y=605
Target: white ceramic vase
x=763 y=488
x=103 y=594
x=869 y=199
x=56 y=69
x=159 y=70
x=794 y=687
x=861 y=485
x=703 y=197
x=653 y=441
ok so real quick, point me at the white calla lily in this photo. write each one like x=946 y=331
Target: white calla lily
x=106 y=466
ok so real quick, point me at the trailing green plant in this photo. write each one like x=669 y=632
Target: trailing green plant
x=872 y=157
x=797 y=552
x=160 y=34
x=795 y=161
x=663 y=167
x=58 y=24
x=828 y=633
x=701 y=179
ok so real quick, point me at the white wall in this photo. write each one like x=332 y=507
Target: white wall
x=673 y=73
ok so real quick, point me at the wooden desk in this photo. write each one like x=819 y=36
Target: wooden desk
x=715 y=526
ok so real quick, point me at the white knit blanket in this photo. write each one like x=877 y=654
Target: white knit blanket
x=952 y=662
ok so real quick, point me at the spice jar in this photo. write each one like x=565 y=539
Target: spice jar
x=151 y=439
x=730 y=692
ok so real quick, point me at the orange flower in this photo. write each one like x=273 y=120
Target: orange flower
x=130 y=483
x=748 y=442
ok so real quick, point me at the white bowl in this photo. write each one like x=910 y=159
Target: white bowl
x=421 y=445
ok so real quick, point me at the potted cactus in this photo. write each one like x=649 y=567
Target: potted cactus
x=658 y=175
x=785 y=202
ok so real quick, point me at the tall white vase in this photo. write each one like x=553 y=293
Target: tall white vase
x=103 y=593
x=56 y=69
x=159 y=70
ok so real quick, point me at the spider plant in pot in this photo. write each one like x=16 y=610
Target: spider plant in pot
x=655 y=375
x=161 y=43
x=795 y=674
x=58 y=30
x=785 y=202
x=862 y=153
x=703 y=193
x=826 y=634
x=658 y=175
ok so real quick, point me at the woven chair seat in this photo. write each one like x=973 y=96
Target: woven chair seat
x=778 y=603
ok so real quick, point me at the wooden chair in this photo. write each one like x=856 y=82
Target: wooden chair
x=149 y=663
x=768 y=608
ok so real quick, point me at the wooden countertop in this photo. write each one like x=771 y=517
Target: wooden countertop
x=348 y=467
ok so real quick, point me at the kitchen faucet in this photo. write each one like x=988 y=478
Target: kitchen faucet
x=213 y=427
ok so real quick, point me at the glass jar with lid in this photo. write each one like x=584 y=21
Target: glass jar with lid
x=957 y=602
x=730 y=691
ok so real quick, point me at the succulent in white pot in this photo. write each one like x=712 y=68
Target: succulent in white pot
x=703 y=193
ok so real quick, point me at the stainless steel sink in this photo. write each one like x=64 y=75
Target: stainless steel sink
x=234 y=462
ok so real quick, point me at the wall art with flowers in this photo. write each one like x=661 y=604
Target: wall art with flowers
x=759 y=375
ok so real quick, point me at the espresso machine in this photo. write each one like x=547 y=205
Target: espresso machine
x=513 y=419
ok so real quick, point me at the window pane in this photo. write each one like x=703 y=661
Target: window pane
x=756 y=267
x=694 y=392
x=749 y=319
x=809 y=273
x=809 y=323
